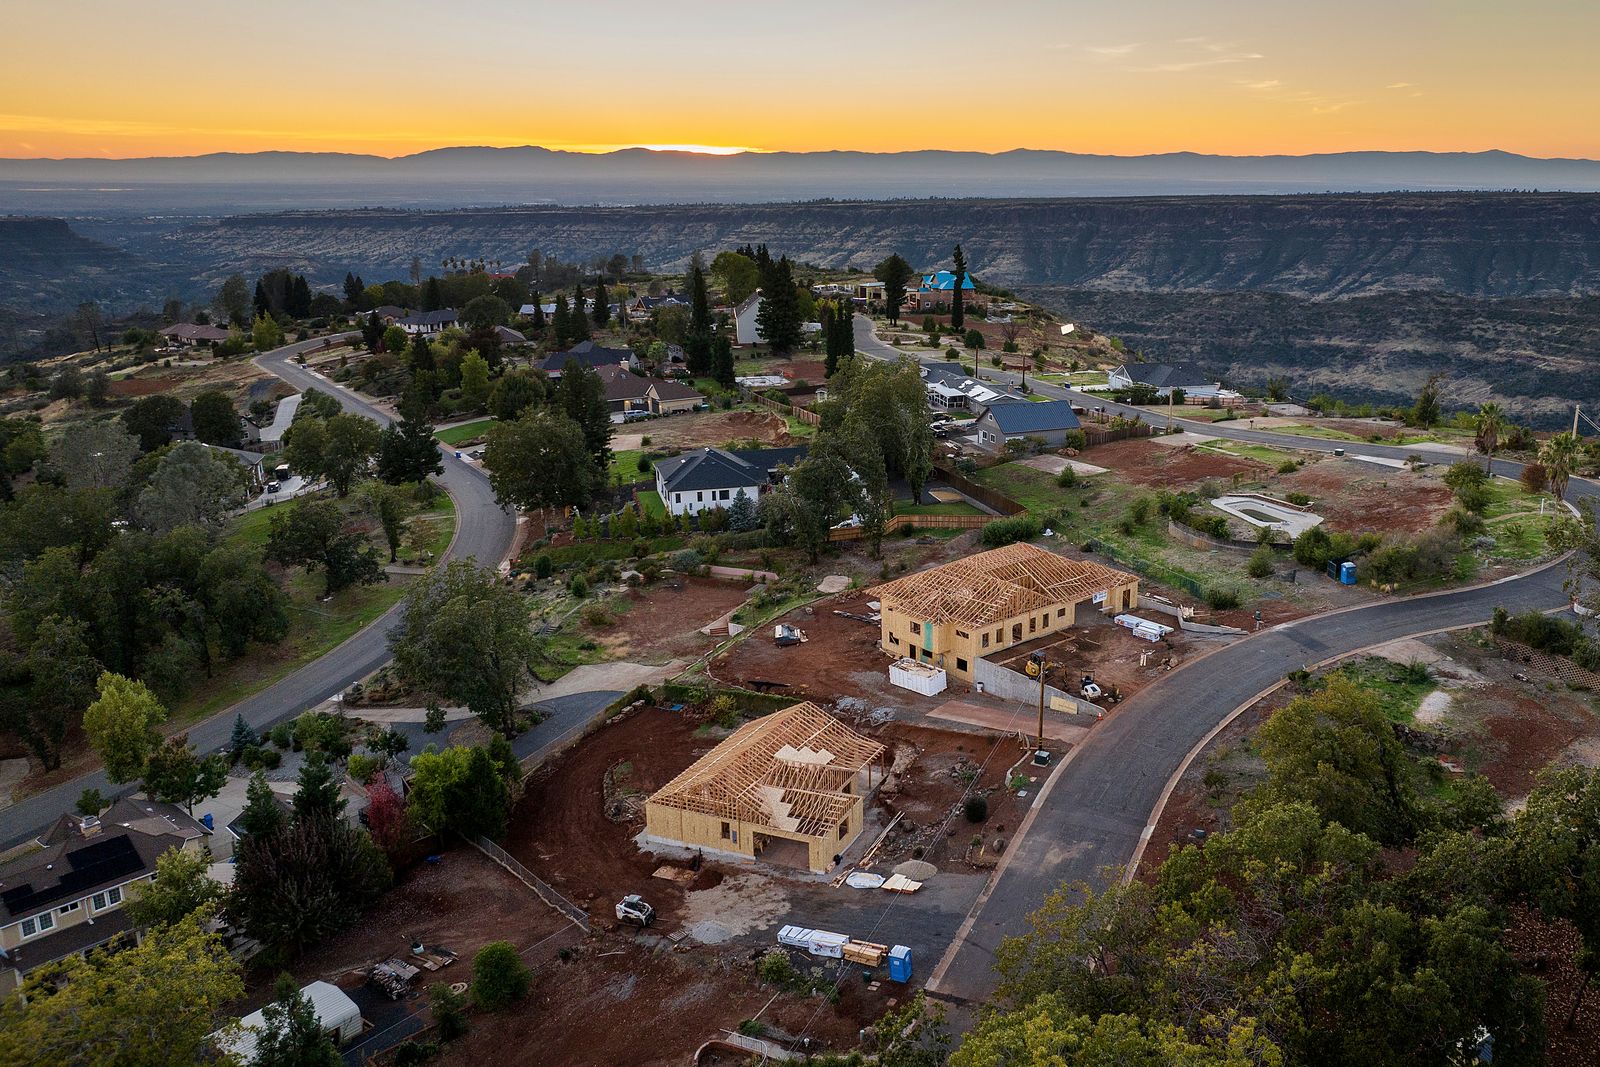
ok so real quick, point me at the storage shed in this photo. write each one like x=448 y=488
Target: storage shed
x=338 y=1014
x=797 y=775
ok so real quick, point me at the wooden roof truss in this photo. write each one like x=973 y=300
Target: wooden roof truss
x=788 y=770
x=999 y=584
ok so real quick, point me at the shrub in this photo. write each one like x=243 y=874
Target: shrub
x=1067 y=478
x=976 y=809
x=499 y=977
x=1139 y=511
x=282 y=734
x=1288 y=466
x=410 y=1053
x=994 y=361
x=1297 y=499
x=449 y=1010
x=578 y=586
x=1260 y=565
x=775 y=969
x=543 y=565
x=725 y=711
x=1222 y=598
x=1007 y=531
x=1076 y=440
x=1535 y=477
x=90 y=802
x=1464 y=520
x=362 y=766
x=972 y=339
x=685 y=561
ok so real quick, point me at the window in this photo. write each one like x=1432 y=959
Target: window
x=68 y=909
x=38 y=924
x=107 y=899
x=894 y=639
x=961 y=664
x=844 y=828
x=1061 y=613
x=699 y=498
x=1033 y=624
x=727 y=831
x=722 y=494
x=1016 y=631
x=963 y=635
x=999 y=634
x=677 y=498
x=985 y=640
x=916 y=627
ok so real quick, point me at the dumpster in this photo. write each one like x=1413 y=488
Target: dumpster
x=900 y=963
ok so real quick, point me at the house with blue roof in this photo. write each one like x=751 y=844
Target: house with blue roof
x=938 y=289
x=1049 y=421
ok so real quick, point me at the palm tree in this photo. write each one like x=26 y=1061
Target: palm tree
x=1491 y=424
x=1560 y=457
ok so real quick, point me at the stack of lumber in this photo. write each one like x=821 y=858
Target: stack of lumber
x=866 y=953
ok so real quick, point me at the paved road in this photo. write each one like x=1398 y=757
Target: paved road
x=1098 y=807
x=484 y=531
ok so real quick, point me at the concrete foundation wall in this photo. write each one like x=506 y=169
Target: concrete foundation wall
x=1008 y=684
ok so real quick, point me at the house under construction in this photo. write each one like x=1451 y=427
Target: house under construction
x=797 y=775
x=951 y=616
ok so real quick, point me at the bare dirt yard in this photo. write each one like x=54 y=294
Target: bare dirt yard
x=1109 y=653
x=575 y=827
x=1143 y=462
x=840 y=657
x=658 y=622
x=1358 y=497
x=716 y=428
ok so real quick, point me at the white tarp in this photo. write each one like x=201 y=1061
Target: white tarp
x=337 y=1013
x=817 y=942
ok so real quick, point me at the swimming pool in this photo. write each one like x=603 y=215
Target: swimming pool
x=1262 y=512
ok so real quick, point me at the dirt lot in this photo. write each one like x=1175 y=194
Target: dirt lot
x=1142 y=462
x=1109 y=652
x=142 y=386
x=701 y=428
x=658 y=622
x=802 y=370
x=576 y=831
x=839 y=658
x=462 y=903
x=1357 y=497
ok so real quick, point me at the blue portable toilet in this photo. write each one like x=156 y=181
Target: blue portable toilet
x=900 y=963
x=1347 y=573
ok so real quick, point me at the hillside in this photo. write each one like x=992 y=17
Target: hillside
x=1481 y=245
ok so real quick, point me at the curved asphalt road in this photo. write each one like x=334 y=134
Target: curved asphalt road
x=1097 y=807
x=484 y=531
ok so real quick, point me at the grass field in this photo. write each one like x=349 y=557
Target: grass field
x=957 y=507
x=455 y=435
x=1400 y=687
x=650 y=504
x=625 y=467
x=1273 y=457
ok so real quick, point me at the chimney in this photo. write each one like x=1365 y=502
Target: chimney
x=88 y=825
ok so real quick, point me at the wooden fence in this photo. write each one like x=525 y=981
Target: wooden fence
x=805 y=415
x=1104 y=435
x=919 y=522
x=981 y=493
x=1572 y=676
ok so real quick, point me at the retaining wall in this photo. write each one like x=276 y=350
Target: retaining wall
x=1008 y=684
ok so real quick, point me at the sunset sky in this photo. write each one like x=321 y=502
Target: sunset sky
x=161 y=77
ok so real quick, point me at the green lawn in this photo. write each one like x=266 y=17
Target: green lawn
x=467 y=431
x=1078 y=377
x=1033 y=489
x=1401 y=693
x=253 y=526
x=442 y=515
x=650 y=504
x=625 y=467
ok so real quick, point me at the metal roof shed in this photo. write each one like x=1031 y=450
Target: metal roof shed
x=337 y=1013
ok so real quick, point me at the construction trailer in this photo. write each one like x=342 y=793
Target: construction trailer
x=951 y=616
x=789 y=783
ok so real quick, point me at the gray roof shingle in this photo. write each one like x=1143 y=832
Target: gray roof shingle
x=1027 y=417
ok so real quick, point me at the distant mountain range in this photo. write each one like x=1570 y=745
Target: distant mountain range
x=475 y=176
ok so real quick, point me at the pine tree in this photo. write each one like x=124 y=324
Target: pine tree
x=602 y=303
x=958 y=310
x=291 y=1035
x=582 y=396
x=299 y=298
x=352 y=290
x=263 y=305
x=422 y=355
x=407 y=451
x=242 y=738
x=562 y=321
x=318 y=794
x=722 y=361
x=697 y=342
x=432 y=295
x=538 y=314
x=262 y=816
x=778 y=317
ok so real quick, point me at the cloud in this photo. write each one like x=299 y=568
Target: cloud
x=1399 y=85
x=1263 y=86
x=1179 y=66
x=1111 y=51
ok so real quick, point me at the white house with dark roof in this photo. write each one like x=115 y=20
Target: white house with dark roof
x=428 y=322
x=1164 y=378
x=710 y=478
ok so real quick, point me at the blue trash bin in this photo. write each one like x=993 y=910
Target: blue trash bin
x=900 y=963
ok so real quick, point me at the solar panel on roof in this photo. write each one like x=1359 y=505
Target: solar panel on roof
x=92 y=865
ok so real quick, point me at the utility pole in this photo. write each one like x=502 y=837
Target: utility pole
x=1037 y=665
